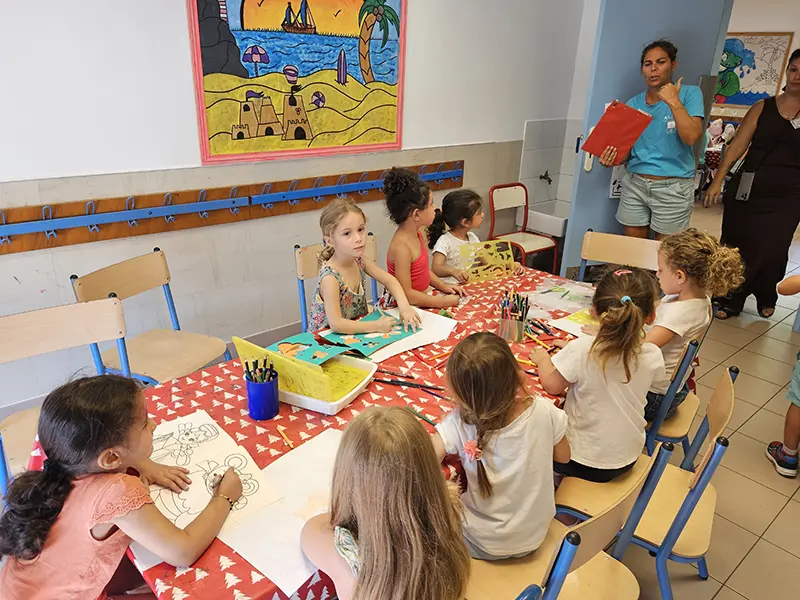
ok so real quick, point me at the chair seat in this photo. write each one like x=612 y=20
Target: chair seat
x=663 y=508
x=677 y=427
x=530 y=242
x=164 y=354
x=600 y=578
x=19 y=431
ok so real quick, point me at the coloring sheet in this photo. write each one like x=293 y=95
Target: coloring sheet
x=575 y=323
x=177 y=442
x=569 y=296
x=271 y=542
x=367 y=343
x=305 y=347
x=435 y=328
x=487 y=260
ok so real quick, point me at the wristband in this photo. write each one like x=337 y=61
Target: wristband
x=231 y=502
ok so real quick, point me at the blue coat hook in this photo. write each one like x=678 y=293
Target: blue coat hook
x=168 y=202
x=201 y=197
x=267 y=187
x=318 y=184
x=90 y=210
x=4 y=239
x=130 y=204
x=362 y=179
x=234 y=194
x=293 y=187
x=47 y=214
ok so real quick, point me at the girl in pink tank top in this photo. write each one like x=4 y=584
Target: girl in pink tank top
x=66 y=528
x=410 y=206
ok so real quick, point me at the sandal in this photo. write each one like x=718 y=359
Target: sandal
x=723 y=312
x=762 y=310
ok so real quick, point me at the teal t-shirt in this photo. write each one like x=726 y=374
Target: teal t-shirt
x=660 y=151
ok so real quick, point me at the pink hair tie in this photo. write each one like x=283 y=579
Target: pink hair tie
x=472 y=450
x=623 y=272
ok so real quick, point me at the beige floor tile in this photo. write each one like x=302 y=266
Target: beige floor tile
x=779 y=403
x=767 y=573
x=717 y=352
x=677 y=454
x=779 y=315
x=686 y=584
x=764 y=426
x=742 y=412
x=745 y=502
x=748 y=388
x=727 y=593
x=784 y=333
x=729 y=545
x=704 y=367
x=762 y=367
x=789 y=319
x=785 y=531
x=728 y=334
x=751 y=323
x=746 y=456
x=791 y=302
x=774 y=349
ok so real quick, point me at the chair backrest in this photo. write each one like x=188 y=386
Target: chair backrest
x=718 y=413
x=50 y=329
x=675 y=385
x=506 y=196
x=307 y=265
x=125 y=279
x=619 y=250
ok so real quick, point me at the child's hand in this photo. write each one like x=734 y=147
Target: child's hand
x=461 y=275
x=172 y=478
x=454 y=289
x=449 y=300
x=410 y=318
x=385 y=324
x=518 y=269
x=230 y=485
x=539 y=356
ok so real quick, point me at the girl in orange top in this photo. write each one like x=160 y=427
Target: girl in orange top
x=410 y=205
x=65 y=529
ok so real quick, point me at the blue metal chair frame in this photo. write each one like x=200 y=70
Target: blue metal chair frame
x=652 y=435
x=5 y=473
x=555 y=578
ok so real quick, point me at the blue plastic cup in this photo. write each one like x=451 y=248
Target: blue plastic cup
x=262 y=399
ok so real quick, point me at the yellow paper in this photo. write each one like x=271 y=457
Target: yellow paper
x=487 y=260
x=343 y=378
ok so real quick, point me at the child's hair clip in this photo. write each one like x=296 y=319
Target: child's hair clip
x=623 y=272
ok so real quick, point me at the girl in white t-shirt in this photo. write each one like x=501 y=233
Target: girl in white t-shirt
x=691 y=265
x=507 y=440
x=608 y=377
x=462 y=211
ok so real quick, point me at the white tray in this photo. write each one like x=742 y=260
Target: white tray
x=331 y=408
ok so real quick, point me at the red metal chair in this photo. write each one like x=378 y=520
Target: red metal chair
x=515 y=195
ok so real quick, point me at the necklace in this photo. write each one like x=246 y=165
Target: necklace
x=787 y=117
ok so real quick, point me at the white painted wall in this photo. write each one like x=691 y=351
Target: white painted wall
x=766 y=15
x=107 y=87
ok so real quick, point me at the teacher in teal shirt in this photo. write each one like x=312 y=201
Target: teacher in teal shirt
x=658 y=186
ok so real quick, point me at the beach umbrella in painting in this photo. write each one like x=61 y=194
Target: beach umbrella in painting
x=318 y=99
x=256 y=55
x=290 y=71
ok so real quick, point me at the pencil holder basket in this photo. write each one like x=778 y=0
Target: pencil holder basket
x=262 y=399
x=511 y=330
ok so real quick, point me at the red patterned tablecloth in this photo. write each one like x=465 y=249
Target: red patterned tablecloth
x=219 y=390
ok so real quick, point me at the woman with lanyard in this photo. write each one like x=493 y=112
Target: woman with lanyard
x=658 y=187
x=762 y=200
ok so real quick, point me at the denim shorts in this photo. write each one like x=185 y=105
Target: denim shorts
x=793 y=395
x=654 y=402
x=663 y=204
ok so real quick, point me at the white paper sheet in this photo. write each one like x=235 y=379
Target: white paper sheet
x=177 y=442
x=575 y=323
x=270 y=541
x=435 y=328
x=570 y=296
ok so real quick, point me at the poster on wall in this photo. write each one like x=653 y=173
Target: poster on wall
x=278 y=78
x=752 y=67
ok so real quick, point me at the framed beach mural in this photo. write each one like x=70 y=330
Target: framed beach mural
x=278 y=78
x=752 y=67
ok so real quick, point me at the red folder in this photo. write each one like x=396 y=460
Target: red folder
x=620 y=126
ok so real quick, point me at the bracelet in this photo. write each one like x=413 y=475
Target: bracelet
x=231 y=502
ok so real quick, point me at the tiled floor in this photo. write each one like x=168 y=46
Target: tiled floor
x=755 y=545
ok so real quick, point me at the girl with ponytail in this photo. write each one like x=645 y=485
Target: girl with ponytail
x=65 y=530
x=608 y=377
x=341 y=294
x=507 y=440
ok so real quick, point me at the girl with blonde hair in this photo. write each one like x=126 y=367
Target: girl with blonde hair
x=608 y=377
x=394 y=530
x=507 y=441
x=341 y=294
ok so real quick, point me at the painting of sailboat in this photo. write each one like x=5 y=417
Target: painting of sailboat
x=302 y=22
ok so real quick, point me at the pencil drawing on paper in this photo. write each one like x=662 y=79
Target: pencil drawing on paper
x=181 y=445
x=182 y=508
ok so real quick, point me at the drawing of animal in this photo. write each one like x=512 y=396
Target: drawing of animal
x=181 y=445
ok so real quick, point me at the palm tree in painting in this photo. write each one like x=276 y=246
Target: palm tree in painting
x=374 y=11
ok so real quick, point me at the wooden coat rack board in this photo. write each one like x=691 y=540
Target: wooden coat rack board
x=246 y=202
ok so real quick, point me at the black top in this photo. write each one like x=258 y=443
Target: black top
x=774 y=153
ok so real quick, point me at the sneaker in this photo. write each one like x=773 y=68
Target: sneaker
x=783 y=464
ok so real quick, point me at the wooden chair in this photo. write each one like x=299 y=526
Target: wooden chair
x=160 y=354
x=618 y=250
x=571 y=562
x=515 y=195
x=28 y=334
x=674 y=523
x=307 y=267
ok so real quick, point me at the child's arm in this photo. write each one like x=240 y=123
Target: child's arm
x=317 y=543
x=440 y=268
x=408 y=315
x=402 y=271
x=182 y=547
x=660 y=336
x=552 y=381
x=173 y=478
x=561 y=451
x=789 y=286
x=438 y=446
x=329 y=290
x=445 y=287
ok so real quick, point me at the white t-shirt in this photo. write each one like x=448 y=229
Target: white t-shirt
x=687 y=319
x=450 y=246
x=606 y=415
x=519 y=463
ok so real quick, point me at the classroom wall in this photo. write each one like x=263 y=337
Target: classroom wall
x=122 y=122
